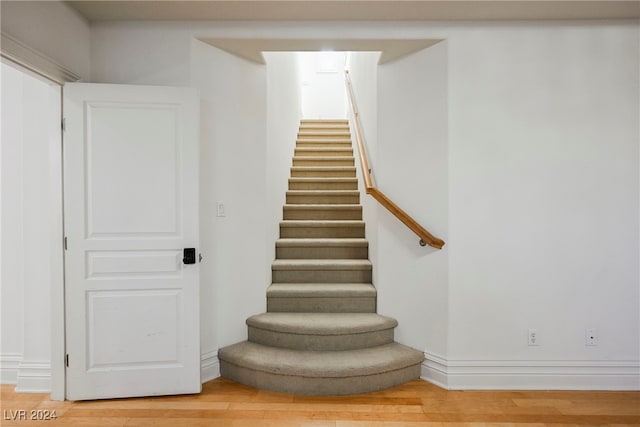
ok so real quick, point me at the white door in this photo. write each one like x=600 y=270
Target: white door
x=131 y=208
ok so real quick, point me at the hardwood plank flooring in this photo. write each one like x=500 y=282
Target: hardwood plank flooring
x=418 y=403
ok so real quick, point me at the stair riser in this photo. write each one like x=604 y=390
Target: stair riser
x=326 y=151
x=324 y=135
x=321 y=276
x=321 y=232
x=320 y=342
x=321 y=305
x=319 y=386
x=338 y=120
x=322 y=253
x=305 y=127
x=302 y=173
x=329 y=127
x=322 y=185
x=346 y=199
x=310 y=143
x=322 y=214
x=323 y=161
x=326 y=123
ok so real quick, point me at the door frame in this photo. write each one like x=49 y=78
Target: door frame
x=57 y=291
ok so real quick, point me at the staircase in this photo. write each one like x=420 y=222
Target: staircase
x=321 y=334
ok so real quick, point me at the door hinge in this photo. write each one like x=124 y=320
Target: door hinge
x=63 y=124
x=66 y=360
x=65 y=243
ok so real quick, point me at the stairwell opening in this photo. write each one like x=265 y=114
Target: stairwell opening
x=321 y=333
x=283 y=114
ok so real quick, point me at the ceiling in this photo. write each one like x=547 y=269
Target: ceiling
x=346 y=10
x=353 y=10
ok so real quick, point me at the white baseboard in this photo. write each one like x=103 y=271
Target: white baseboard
x=209 y=366
x=531 y=375
x=9 y=364
x=34 y=377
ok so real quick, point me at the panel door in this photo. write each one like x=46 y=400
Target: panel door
x=131 y=208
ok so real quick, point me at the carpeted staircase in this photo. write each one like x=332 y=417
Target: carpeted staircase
x=321 y=334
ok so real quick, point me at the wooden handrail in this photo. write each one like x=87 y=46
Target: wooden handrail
x=426 y=238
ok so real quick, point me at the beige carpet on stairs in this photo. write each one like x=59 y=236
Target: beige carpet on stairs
x=321 y=334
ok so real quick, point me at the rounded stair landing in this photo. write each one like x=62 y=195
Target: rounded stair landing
x=321 y=331
x=320 y=372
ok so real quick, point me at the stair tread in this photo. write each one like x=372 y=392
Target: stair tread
x=324 y=264
x=322 y=323
x=323 y=171
x=323 y=179
x=321 y=206
x=346 y=150
x=320 y=290
x=335 y=120
x=322 y=223
x=343 y=142
x=326 y=136
x=324 y=168
x=324 y=148
x=323 y=126
x=323 y=192
x=322 y=242
x=324 y=123
x=326 y=364
x=323 y=157
x=328 y=131
x=337 y=126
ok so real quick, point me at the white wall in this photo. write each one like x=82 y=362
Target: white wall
x=233 y=274
x=412 y=170
x=323 y=94
x=540 y=140
x=12 y=338
x=30 y=129
x=53 y=29
x=544 y=199
x=140 y=53
x=283 y=120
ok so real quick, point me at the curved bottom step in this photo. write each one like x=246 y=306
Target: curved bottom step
x=320 y=372
x=321 y=331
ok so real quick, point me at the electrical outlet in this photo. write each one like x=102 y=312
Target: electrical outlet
x=220 y=209
x=590 y=338
x=533 y=337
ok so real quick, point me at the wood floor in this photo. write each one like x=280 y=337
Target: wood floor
x=418 y=403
